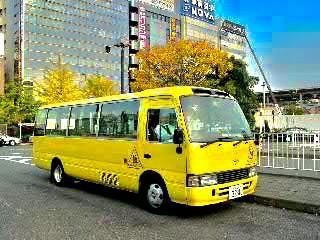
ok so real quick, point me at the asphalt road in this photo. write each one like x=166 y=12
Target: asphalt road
x=33 y=208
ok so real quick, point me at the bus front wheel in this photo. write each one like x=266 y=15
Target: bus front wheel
x=155 y=196
x=58 y=176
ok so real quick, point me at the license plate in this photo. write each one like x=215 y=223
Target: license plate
x=235 y=191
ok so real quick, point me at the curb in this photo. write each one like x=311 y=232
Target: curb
x=25 y=144
x=296 y=174
x=283 y=203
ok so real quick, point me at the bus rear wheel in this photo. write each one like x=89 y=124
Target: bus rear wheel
x=58 y=176
x=155 y=196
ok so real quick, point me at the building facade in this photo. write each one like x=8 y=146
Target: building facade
x=159 y=22
x=76 y=31
x=231 y=41
x=39 y=32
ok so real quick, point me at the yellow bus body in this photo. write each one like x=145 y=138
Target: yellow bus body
x=102 y=160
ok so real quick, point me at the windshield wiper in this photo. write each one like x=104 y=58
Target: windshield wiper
x=220 y=139
x=246 y=137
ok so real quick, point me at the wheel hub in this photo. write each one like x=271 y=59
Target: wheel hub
x=155 y=195
x=58 y=174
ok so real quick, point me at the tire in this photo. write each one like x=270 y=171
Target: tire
x=155 y=196
x=58 y=176
x=12 y=143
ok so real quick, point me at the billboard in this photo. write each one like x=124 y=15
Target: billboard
x=203 y=10
x=167 y=5
x=234 y=28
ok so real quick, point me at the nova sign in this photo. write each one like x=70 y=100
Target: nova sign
x=199 y=9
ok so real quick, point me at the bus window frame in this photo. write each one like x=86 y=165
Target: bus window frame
x=147 y=122
x=138 y=122
x=67 y=130
x=45 y=124
x=84 y=105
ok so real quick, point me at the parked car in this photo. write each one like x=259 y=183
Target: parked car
x=7 y=140
x=296 y=130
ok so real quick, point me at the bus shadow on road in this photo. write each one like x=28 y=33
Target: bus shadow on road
x=132 y=199
x=182 y=211
x=106 y=192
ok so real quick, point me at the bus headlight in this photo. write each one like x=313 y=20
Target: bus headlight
x=252 y=171
x=201 y=180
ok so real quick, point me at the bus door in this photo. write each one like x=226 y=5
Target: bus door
x=159 y=153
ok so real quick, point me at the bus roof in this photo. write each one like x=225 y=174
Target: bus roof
x=175 y=91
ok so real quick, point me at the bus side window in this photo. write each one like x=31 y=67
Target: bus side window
x=83 y=120
x=161 y=125
x=119 y=119
x=57 y=121
x=40 y=123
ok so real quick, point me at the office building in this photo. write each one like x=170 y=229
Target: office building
x=38 y=32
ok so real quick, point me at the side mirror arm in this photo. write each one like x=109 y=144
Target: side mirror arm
x=178 y=139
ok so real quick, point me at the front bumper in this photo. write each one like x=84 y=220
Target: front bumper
x=202 y=196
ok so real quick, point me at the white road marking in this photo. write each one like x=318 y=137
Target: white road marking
x=18 y=159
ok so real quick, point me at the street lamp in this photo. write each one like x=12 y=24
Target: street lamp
x=122 y=46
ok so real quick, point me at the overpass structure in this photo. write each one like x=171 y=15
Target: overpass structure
x=289 y=96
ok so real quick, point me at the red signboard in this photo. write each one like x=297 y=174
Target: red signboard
x=142 y=28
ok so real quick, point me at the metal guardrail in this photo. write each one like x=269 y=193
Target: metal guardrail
x=291 y=151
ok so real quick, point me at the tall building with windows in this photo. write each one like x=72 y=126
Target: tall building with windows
x=3 y=30
x=38 y=32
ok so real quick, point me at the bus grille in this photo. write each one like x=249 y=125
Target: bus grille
x=232 y=176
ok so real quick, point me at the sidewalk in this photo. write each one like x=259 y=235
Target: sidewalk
x=289 y=192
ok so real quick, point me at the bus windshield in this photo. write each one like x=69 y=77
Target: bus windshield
x=210 y=118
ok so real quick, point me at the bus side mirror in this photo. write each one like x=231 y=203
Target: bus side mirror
x=178 y=136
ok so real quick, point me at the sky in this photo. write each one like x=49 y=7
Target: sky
x=285 y=35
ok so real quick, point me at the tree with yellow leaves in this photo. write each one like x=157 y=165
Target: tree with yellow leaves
x=58 y=85
x=99 y=86
x=181 y=63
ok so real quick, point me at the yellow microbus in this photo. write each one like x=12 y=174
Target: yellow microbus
x=187 y=145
